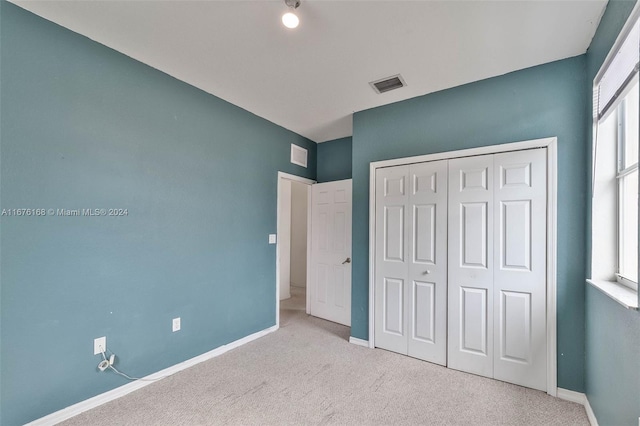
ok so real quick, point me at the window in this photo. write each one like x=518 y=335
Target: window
x=615 y=167
x=627 y=177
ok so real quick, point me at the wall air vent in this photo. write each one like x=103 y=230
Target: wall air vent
x=298 y=155
x=388 y=83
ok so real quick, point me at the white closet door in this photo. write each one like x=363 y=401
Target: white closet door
x=411 y=260
x=520 y=268
x=470 y=289
x=427 y=254
x=391 y=271
x=460 y=274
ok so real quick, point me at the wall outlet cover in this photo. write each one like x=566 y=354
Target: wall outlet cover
x=99 y=345
x=175 y=326
x=272 y=238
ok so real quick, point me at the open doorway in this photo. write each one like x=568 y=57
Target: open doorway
x=291 y=259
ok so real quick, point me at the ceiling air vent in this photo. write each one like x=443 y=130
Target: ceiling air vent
x=388 y=83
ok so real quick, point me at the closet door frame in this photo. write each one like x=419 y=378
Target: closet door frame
x=551 y=145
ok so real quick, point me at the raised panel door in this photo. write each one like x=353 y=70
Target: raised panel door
x=470 y=268
x=427 y=262
x=520 y=268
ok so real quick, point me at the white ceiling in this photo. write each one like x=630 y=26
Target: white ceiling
x=311 y=79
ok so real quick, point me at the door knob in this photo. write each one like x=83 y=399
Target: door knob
x=347 y=260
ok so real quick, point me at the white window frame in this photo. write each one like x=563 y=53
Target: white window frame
x=621 y=173
x=607 y=279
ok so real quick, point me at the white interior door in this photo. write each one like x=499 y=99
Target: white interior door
x=519 y=299
x=329 y=271
x=471 y=265
x=411 y=260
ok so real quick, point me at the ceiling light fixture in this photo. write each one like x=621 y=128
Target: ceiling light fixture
x=289 y=19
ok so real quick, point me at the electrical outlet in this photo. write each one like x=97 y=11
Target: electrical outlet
x=273 y=238
x=99 y=345
x=176 y=324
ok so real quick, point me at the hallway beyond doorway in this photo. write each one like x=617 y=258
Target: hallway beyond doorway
x=297 y=301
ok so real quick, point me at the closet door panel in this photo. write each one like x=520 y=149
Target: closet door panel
x=520 y=268
x=460 y=274
x=427 y=267
x=392 y=258
x=470 y=249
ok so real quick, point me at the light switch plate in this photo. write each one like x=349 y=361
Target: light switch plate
x=272 y=238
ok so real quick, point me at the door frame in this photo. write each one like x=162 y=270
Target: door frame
x=552 y=173
x=308 y=182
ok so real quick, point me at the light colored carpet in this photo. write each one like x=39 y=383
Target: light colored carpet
x=307 y=373
x=297 y=301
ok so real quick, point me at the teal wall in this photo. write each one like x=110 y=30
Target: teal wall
x=613 y=360
x=548 y=100
x=334 y=160
x=612 y=332
x=83 y=126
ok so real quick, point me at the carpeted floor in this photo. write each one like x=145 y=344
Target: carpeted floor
x=306 y=373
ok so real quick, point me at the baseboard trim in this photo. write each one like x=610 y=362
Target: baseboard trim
x=580 y=398
x=359 y=342
x=573 y=396
x=590 y=414
x=88 y=404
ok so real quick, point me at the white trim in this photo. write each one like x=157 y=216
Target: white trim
x=372 y=251
x=359 y=342
x=622 y=294
x=552 y=167
x=552 y=274
x=579 y=398
x=287 y=176
x=590 y=414
x=492 y=149
x=572 y=396
x=626 y=282
x=88 y=404
x=295 y=178
x=307 y=292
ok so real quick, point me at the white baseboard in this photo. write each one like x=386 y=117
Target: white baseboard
x=358 y=342
x=590 y=414
x=581 y=399
x=573 y=396
x=88 y=404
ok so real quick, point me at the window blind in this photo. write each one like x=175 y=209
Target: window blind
x=618 y=74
